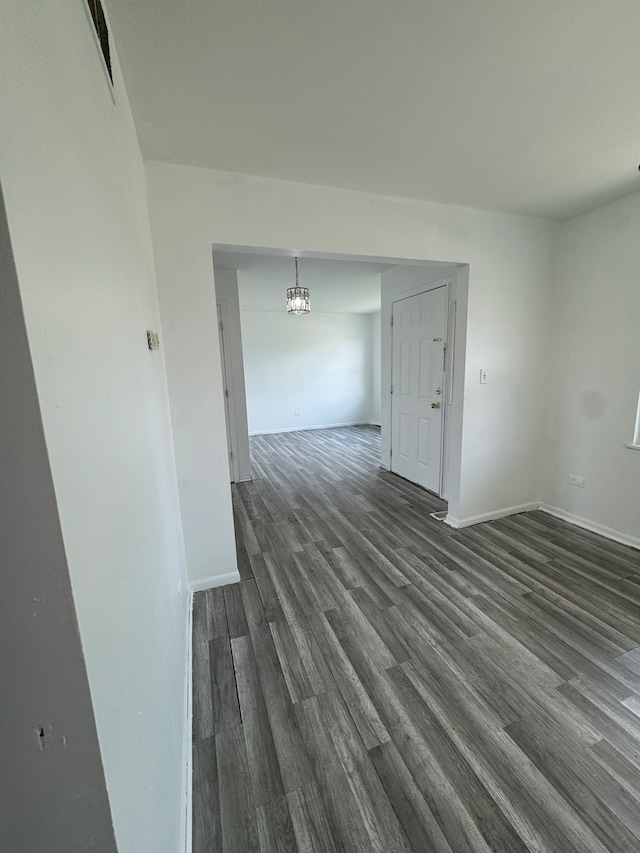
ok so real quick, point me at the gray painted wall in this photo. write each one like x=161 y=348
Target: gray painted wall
x=53 y=795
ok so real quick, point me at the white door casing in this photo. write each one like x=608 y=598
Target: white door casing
x=418 y=392
x=229 y=415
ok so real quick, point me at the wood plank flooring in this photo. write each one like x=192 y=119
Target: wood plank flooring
x=380 y=682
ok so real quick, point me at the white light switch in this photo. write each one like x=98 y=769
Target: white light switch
x=483 y=376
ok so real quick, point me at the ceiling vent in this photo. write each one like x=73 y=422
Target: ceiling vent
x=102 y=32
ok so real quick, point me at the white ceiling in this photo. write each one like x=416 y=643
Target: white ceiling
x=528 y=106
x=335 y=286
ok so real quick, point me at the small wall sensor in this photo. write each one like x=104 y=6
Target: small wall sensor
x=153 y=339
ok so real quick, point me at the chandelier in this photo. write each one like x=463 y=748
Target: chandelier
x=298 y=301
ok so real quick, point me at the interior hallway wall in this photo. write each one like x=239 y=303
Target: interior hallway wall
x=50 y=751
x=78 y=218
x=306 y=372
x=595 y=376
x=510 y=280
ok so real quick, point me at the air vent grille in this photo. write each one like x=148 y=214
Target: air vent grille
x=102 y=31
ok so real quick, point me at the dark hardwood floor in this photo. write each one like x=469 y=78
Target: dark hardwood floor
x=380 y=682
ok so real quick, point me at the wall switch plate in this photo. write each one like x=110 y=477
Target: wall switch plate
x=483 y=376
x=576 y=481
x=297 y=414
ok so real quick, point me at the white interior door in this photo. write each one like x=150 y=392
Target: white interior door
x=417 y=391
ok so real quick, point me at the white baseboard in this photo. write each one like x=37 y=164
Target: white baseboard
x=579 y=521
x=490 y=516
x=216 y=580
x=304 y=428
x=187 y=752
x=593 y=526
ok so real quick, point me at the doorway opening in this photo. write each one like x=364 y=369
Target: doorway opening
x=361 y=356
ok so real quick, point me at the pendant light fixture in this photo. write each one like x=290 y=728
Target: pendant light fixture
x=298 y=301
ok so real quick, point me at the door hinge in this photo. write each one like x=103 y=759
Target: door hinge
x=391 y=390
x=226 y=392
x=444 y=357
x=390 y=452
x=392 y=319
x=231 y=454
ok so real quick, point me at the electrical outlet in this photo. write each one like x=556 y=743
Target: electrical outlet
x=576 y=481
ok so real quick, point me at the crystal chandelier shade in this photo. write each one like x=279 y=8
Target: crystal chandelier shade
x=298 y=301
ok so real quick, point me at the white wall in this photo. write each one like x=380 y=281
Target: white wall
x=75 y=196
x=511 y=274
x=595 y=378
x=186 y=290
x=318 y=365
x=226 y=284
x=376 y=365
x=42 y=670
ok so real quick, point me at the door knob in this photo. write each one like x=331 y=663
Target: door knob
x=435 y=405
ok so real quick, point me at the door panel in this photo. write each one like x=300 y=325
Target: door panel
x=425 y=381
x=424 y=434
x=419 y=331
x=404 y=437
x=405 y=367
